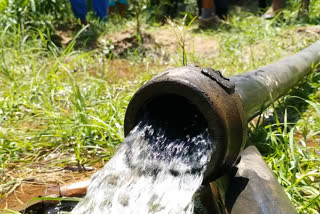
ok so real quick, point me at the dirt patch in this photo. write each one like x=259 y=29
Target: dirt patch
x=86 y=41
x=127 y=41
x=199 y=45
x=155 y=44
x=20 y=192
x=115 y=69
x=161 y=43
x=21 y=197
x=30 y=126
x=256 y=52
x=65 y=36
x=312 y=143
x=119 y=69
x=28 y=181
x=315 y=30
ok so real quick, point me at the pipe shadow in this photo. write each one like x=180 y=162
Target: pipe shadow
x=237 y=186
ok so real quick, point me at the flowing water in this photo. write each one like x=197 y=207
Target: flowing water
x=157 y=169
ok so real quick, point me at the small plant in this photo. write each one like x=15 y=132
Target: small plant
x=138 y=7
x=181 y=30
x=304 y=8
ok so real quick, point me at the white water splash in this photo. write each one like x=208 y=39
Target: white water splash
x=150 y=173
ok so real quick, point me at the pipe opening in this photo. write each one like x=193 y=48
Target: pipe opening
x=176 y=114
x=174 y=137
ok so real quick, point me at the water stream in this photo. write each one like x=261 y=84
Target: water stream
x=157 y=169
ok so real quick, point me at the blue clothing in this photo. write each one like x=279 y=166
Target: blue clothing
x=100 y=7
x=112 y=2
x=79 y=8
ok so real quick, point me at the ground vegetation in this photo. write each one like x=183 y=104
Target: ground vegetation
x=64 y=88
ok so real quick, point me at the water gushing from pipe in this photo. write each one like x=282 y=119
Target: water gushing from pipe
x=158 y=168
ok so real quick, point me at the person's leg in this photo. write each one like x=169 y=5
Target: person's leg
x=262 y=4
x=111 y=7
x=208 y=18
x=79 y=8
x=100 y=7
x=207 y=9
x=122 y=7
x=277 y=5
x=199 y=3
x=222 y=7
x=170 y=9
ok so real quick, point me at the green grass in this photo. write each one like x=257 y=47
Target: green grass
x=65 y=105
x=287 y=136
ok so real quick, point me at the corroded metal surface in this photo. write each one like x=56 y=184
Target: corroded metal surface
x=261 y=87
x=211 y=94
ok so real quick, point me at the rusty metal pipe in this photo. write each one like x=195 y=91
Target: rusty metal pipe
x=260 y=88
x=226 y=105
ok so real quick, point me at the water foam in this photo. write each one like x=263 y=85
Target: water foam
x=153 y=171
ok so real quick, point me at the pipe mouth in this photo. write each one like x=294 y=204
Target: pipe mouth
x=176 y=136
x=188 y=102
x=176 y=113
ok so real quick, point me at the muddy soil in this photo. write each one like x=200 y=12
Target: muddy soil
x=18 y=193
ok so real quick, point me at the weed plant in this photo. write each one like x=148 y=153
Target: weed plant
x=64 y=105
